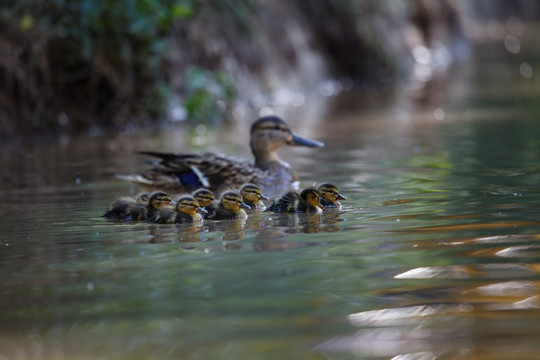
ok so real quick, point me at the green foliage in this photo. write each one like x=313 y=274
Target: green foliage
x=204 y=92
x=121 y=45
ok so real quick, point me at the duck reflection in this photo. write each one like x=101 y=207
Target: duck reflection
x=168 y=233
x=231 y=230
x=189 y=233
x=161 y=234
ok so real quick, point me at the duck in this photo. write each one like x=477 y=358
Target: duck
x=158 y=200
x=330 y=195
x=187 y=210
x=307 y=201
x=229 y=207
x=220 y=173
x=252 y=195
x=204 y=197
x=120 y=207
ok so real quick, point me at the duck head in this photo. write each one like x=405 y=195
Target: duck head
x=252 y=193
x=204 y=196
x=330 y=192
x=188 y=205
x=143 y=198
x=233 y=201
x=160 y=200
x=268 y=133
x=311 y=197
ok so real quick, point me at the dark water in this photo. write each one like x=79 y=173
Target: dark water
x=436 y=254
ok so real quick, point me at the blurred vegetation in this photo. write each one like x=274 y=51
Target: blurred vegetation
x=207 y=93
x=74 y=65
x=82 y=62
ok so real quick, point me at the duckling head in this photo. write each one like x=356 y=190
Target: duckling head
x=311 y=197
x=330 y=192
x=269 y=133
x=204 y=196
x=252 y=193
x=188 y=205
x=160 y=200
x=143 y=198
x=232 y=201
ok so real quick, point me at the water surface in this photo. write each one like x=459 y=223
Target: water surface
x=434 y=256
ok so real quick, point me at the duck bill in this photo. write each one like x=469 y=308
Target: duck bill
x=341 y=197
x=201 y=210
x=245 y=206
x=297 y=140
x=264 y=197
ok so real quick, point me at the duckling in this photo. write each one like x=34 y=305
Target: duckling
x=184 y=172
x=120 y=207
x=158 y=201
x=187 y=211
x=330 y=195
x=252 y=196
x=204 y=197
x=229 y=207
x=308 y=201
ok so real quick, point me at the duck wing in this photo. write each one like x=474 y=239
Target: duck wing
x=192 y=171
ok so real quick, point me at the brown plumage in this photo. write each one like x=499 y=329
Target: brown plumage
x=187 y=210
x=186 y=172
x=307 y=201
x=159 y=200
x=120 y=208
x=330 y=195
x=252 y=196
x=229 y=207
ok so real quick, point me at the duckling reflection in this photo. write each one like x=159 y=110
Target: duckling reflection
x=228 y=230
x=162 y=234
x=189 y=232
x=310 y=223
x=171 y=233
x=252 y=195
x=330 y=195
x=308 y=201
x=329 y=221
x=229 y=207
x=187 y=211
x=120 y=208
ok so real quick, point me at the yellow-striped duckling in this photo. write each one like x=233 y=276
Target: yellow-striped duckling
x=308 y=201
x=120 y=208
x=252 y=196
x=330 y=195
x=187 y=211
x=158 y=201
x=229 y=207
x=186 y=172
x=204 y=197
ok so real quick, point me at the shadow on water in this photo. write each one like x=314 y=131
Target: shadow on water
x=434 y=255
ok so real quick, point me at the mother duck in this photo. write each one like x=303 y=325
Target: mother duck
x=186 y=172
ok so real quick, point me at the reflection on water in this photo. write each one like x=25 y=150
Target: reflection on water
x=435 y=254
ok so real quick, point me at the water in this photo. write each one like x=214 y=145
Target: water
x=435 y=255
